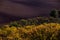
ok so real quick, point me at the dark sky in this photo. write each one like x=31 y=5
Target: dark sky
x=27 y=8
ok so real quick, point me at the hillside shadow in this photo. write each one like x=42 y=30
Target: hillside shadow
x=5 y=18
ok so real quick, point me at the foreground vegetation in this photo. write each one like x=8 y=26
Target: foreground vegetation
x=38 y=28
x=45 y=31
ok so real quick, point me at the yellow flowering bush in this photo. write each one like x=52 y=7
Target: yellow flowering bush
x=45 y=31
